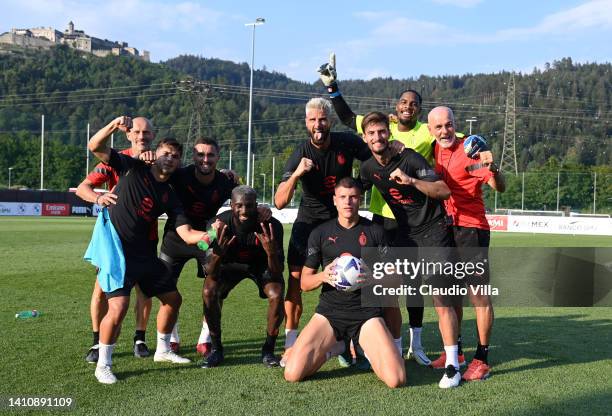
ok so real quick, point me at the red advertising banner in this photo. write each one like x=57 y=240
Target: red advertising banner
x=498 y=222
x=55 y=209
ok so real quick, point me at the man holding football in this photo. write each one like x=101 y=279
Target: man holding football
x=340 y=314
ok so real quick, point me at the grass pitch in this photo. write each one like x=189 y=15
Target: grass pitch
x=545 y=360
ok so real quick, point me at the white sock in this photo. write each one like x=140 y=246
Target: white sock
x=204 y=334
x=105 y=354
x=452 y=357
x=174 y=336
x=398 y=345
x=290 y=337
x=415 y=338
x=163 y=343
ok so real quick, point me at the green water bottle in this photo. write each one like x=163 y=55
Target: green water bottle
x=27 y=314
x=207 y=239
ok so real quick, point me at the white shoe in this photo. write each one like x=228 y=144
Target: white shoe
x=105 y=375
x=451 y=378
x=419 y=356
x=170 y=357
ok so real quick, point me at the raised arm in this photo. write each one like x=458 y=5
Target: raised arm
x=329 y=77
x=98 y=144
x=286 y=188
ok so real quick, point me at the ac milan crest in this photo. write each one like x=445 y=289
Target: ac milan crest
x=363 y=240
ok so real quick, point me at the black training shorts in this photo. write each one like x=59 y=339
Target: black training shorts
x=176 y=257
x=231 y=274
x=298 y=243
x=150 y=273
x=348 y=325
x=473 y=246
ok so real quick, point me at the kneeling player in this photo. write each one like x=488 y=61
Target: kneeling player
x=245 y=249
x=340 y=315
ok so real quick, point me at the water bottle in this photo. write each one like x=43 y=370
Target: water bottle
x=207 y=240
x=27 y=314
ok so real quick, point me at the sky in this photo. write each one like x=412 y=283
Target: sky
x=399 y=39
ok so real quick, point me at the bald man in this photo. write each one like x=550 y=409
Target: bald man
x=465 y=177
x=141 y=136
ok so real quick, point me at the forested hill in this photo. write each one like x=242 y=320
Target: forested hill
x=563 y=113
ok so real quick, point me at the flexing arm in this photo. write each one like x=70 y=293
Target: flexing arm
x=497 y=181
x=98 y=144
x=435 y=190
x=286 y=188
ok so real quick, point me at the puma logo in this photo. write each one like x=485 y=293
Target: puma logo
x=332 y=239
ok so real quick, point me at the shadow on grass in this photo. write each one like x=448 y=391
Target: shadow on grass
x=550 y=340
x=547 y=340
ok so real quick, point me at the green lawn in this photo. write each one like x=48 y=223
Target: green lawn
x=545 y=360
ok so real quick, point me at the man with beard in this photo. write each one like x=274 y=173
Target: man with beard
x=413 y=134
x=465 y=177
x=143 y=193
x=414 y=192
x=318 y=164
x=202 y=190
x=140 y=136
x=246 y=249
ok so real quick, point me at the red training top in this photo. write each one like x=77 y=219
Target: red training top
x=103 y=173
x=464 y=177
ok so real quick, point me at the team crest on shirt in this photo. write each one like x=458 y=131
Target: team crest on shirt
x=363 y=240
x=329 y=182
x=341 y=159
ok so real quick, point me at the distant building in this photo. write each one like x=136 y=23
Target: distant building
x=46 y=37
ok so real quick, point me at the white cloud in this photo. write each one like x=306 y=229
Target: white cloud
x=594 y=14
x=459 y=3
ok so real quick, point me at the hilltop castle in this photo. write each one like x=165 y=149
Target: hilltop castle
x=46 y=37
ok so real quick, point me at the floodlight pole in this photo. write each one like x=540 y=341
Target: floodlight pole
x=263 y=198
x=87 y=152
x=471 y=120
x=42 y=152
x=9 y=184
x=257 y=22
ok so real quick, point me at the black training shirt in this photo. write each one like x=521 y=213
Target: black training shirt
x=329 y=241
x=246 y=248
x=330 y=165
x=200 y=202
x=413 y=210
x=140 y=200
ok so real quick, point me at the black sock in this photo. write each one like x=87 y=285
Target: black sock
x=215 y=342
x=96 y=338
x=459 y=348
x=415 y=316
x=139 y=336
x=482 y=353
x=268 y=346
